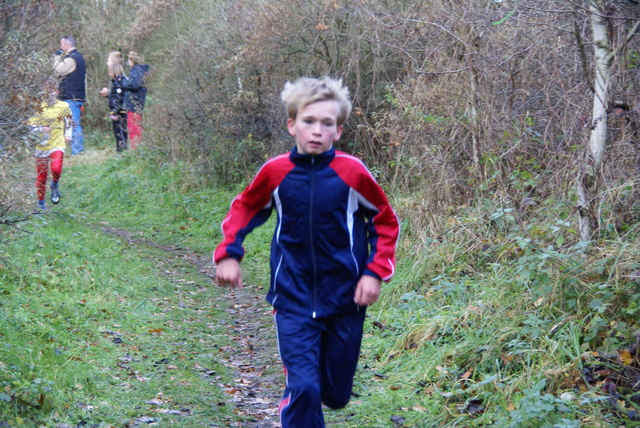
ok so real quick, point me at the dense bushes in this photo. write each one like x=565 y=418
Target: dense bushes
x=451 y=100
x=474 y=115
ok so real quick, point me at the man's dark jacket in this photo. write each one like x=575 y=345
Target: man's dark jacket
x=72 y=86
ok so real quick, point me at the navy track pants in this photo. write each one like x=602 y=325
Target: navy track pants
x=320 y=358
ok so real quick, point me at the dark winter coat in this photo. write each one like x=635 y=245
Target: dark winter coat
x=135 y=89
x=116 y=95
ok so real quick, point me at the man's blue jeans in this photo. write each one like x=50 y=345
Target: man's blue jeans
x=77 y=136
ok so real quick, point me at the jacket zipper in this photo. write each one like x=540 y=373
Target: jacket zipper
x=311 y=247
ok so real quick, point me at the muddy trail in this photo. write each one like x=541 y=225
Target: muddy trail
x=254 y=356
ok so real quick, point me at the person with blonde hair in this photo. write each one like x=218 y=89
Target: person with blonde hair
x=116 y=93
x=135 y=96
x=52 y=125
x=334 y=243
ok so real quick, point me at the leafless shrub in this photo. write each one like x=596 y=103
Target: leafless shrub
x=454 y=101
x=25 y=69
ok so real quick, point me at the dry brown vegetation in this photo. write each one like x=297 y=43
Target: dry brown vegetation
x=455 y=101
x=24 y=70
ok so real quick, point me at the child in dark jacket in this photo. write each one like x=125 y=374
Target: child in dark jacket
x=115 y=94
x=333 y=244
x=135 y=96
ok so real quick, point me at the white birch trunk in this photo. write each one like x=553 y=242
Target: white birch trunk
x=471 y=51
x=589 y=174
x=473 y=116
x=603 y=56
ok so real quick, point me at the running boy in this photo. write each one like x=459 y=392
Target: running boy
x=333 y=244
x=52 y=124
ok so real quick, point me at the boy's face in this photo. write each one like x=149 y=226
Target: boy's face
x=316 y=127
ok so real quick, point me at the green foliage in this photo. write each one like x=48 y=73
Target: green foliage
x=472 y=318
x=492 y=319
x=496 y=304
x=85 y=318
x=537 y=407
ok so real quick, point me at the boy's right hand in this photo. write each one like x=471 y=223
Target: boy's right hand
x=228 y=273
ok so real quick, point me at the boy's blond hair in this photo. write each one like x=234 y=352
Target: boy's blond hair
x=306 y=90
x=115 y=68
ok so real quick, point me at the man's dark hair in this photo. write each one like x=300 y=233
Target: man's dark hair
x=71 y=40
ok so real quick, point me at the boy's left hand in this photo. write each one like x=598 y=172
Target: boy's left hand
x=367 y=290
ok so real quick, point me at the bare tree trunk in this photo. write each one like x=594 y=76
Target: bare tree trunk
x=471 y=48
x=473 y=114
x=589 y=174
x=603 y=57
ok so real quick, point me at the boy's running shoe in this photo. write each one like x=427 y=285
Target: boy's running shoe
x=41 y=205
x=55 y=193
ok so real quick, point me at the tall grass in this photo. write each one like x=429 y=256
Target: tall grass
x=496 y=322
x=496 y=317
x=93 y=330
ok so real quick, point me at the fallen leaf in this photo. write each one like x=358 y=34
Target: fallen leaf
x=466 y=375
x=625 y=357
x=230 y=390
x=398 y=420
x=474 y=406
x=156 y=402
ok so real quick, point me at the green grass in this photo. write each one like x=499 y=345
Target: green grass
x=473 y=333
x=93 y=331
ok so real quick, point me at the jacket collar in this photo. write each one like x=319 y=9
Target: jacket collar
x=304 y=159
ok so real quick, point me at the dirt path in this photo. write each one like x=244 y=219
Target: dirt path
x=254 y=356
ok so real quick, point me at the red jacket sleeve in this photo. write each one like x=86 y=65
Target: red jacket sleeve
x=251 y=208
x=384 y=229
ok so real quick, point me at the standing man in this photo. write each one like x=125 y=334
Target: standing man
x=70 y=67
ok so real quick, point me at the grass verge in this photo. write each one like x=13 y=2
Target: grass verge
x=480 y=327
x=97 y=332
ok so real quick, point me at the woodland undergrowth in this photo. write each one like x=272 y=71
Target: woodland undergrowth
x=494 y=321
x=474 y=116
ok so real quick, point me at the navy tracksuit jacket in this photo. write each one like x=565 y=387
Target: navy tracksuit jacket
x=334 y=225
